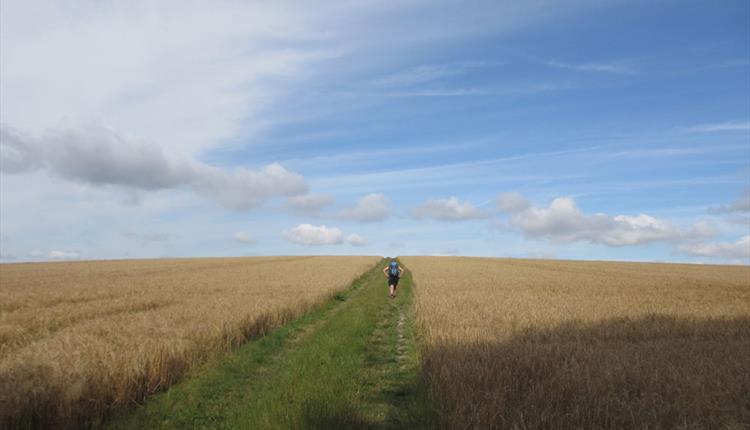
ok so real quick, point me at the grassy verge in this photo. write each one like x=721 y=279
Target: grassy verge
x=352 y=364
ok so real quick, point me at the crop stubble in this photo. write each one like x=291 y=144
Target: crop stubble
x=560 y=344
x=80 y=339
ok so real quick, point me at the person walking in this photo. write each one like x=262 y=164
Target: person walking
x=393 y=272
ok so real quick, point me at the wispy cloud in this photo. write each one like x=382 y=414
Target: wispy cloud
x=737 y=125
x=428 y=73
x=439 y=93
x=614 y=67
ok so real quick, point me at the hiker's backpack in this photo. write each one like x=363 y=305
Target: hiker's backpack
x=394 y=268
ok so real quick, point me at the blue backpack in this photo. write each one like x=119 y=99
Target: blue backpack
x=393 y=268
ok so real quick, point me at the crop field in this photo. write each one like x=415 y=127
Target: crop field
x=474 y=343
x=519 y=344
x=80 y=339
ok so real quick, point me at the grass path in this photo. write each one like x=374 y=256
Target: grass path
x=351 y=364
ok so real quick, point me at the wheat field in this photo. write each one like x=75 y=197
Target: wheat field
x=78 y=340
x=527 y=344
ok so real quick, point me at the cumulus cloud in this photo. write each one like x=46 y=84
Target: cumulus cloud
x=512 y=202
x=242 y=189
x=101 y=156
x=356 y=240
x=309 y=204
x=243 y=237
x=737 y=212
x=449 y=209
x=563 y=221
x=370 y=208
x=312 y=235
x=738 y=251
x=742 y=204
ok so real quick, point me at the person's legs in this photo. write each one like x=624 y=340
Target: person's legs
x=392 y=289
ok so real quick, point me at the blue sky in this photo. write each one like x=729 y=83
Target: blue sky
x=574 y=130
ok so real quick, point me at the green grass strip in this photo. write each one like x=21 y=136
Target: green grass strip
x=351 y=364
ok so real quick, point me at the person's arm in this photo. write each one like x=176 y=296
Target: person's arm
x=385 y=271
x=400 y=271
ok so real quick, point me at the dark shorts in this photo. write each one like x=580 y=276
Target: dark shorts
x=392 y=280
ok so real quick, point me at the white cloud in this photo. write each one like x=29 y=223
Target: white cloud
x=563 y=221
x=356 y=240
x=370 y=208
x=720 y=126
x=449 y=209
x=615 y=67
x=739 y=250
x=54 y=254
x=242 y=189
x=196 y=74
x=309 y=204
x=311 y=235
x=512 y=202
x=426 y=73
x=742 y=204
x=183 y=75
x=101 y=156
x=243 y=237
x=461 y=92
x=63 y=254
x=739 y=219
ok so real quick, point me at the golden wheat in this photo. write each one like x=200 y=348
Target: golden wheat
x=522 y=344
x=79 y=339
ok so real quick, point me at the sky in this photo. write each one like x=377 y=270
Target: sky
x=597 y=130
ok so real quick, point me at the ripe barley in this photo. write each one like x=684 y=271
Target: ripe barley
x=563 y=344
x=79 y=339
